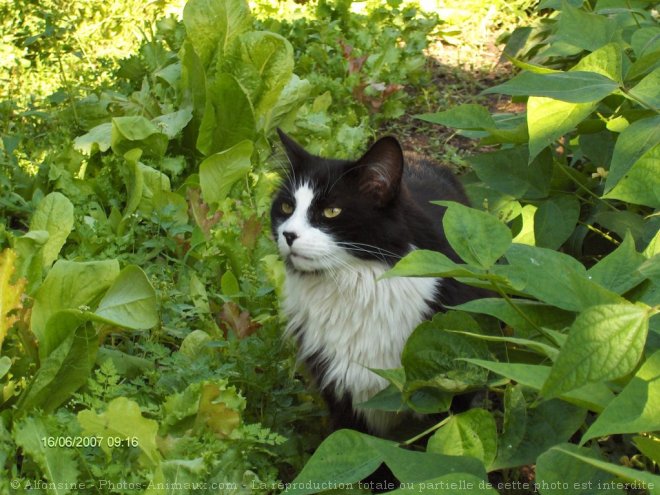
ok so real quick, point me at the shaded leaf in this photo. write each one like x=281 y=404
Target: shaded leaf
x=54 y=214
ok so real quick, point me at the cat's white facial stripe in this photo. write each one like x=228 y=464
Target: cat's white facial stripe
x=312 y=249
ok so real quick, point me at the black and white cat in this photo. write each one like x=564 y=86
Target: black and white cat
x=339 y=226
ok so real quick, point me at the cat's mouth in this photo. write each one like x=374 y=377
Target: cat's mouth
x=298 y=256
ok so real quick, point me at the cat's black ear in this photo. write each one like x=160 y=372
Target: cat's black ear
x=381 y=169
x=294 y=152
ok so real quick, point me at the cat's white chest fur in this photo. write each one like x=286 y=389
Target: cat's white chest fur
x=353 y=321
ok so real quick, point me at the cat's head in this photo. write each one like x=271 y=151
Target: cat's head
x=328 y=213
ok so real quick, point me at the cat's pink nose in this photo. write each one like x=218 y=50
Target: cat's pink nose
x=290 y=237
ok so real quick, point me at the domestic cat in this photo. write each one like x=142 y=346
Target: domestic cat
x=339 y=225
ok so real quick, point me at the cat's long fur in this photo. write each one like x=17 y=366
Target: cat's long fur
x=345 y=317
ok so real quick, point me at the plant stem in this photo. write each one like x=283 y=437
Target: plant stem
x=426 y=432
x=586 y=189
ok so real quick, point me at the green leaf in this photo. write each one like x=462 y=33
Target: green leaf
x=99 y=138
x=574 y=86
x=431 y=352
x=171 y=124
x=649 y=446
x=558 y=279
x=548 y=120
x=478 y=238
x=555 y=220
x=592 y=396
x=57 y=464
x=219 y=172
x=534 y=345
x=636 y=408
x=646 y=91
x=641 y=184
x=536 y=314
x=290 y=99
x=606 y=61
x=229 y=284
x=132 y=132
x=54 y=214
x=571 y=28
x=472 y=433
x=561 y=475
x=228 y=117
x=468 y=484
x=71 y=284
x=618 y=271
x=604 y=343
x=631 y=145
x=130 y=301
x=644 y=478
x=65 y=370
x=213 y=26
x=424 y=263
x=527 y=435
x=507 y=171
x=465 y=116
x=122 y=419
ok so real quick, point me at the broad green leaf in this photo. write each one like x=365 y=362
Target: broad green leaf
x=424 y=263
x=171 y=124
x=29 y=264
x=541 y=427
x=228 y=118
x=636 y=408
x=555 y=220
x=508 y=171
x=57 y=464
x=604 y=343
x=558 y=279
x=292 y=96
x=71 y=284
x=536 y=314
x=514 y=426
x=58 y=328
x=649 y=446
x=472 y=433
x=130 y=301
x=229 y=284
x=618 y=271
x=212 y=26
x=65 y=370
x=466 y=116
x=99 y=138
x=54 y=214
x=10 y=293
x=503 y=206
x=132 y=132
x=122 y=419
x=526 y=233
x=5 y=365
x=574 y=86
x=594 y=397
x=478 y=238
x=646 y=91
x=548 y=120
x=431 y=355
x=606 y=61
x=344 y=457
x=534 y=345
x=559 y=474
x=468 y=484
x=632 y=144
x=641 y=184
x=585 y=30
x=219 y=172
x=643 y=478
x=193 y=81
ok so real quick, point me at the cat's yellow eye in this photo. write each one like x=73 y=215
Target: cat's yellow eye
x=331 y=212
x=287 y=208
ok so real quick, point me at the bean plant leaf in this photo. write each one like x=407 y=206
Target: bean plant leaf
x=636 y=408
x=122 y=420
x=425 y=263
x=54 y=214
x=555 y=220
x=56 y=463
x=560 y=474
x=466 y=116
x=571 y=28
x=220 y=171
x=130 y=302
x=641 y=184
x=558 y=279
x=468 y=483
x=472 y=433
x=573 y=86
x=479 y=238
x=618 y=271
x=646 y=91
x=631 y=145
x=549 y=119
x=604 y=343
